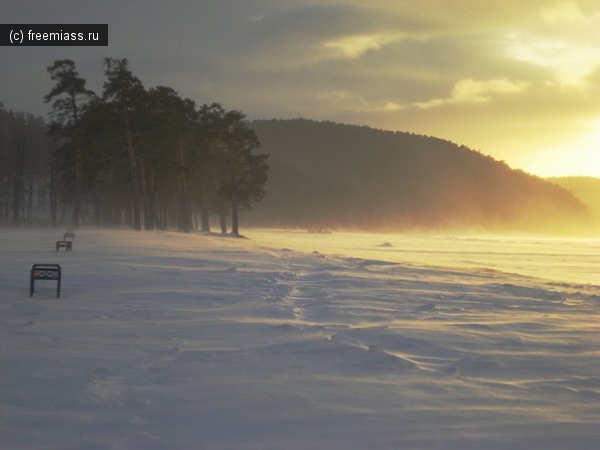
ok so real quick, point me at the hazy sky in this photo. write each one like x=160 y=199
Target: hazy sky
x=516 y=79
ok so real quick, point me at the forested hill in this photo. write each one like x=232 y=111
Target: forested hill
x=328 y=175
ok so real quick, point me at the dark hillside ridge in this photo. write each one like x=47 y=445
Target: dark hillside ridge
x=329 y=175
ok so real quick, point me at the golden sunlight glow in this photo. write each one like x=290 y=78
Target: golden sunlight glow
x=563 y=12
x=580 y=156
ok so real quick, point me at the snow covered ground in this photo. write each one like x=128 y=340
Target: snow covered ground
x=299 y=341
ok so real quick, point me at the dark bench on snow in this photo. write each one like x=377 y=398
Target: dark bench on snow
x=69 y=235
x=45 y=272
x=67 y=245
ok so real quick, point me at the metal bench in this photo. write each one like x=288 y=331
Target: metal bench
x=45 y=272
x=67 y=245
x=69 y=235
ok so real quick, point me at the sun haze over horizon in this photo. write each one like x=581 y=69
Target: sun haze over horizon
x=517 y=80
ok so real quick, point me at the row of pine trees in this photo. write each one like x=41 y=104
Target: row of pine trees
x=25 y=150
x=145 y=158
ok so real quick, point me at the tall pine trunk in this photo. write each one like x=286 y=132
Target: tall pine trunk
x=134 y=183
x=235 y=225
x=204 y=208
x=184 y=214
x=76 y=218
x=17 y=192
x=53 y=190
x=146 y=188
x=223 y=218
x=78 y=167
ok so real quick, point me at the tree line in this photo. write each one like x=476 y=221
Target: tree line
x=145 y=158
x=25 y=154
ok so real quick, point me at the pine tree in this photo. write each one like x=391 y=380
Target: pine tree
x=241 y=175
x=69 y=97
x=126 y=95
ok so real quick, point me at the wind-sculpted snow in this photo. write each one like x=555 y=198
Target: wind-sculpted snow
x=171 y=341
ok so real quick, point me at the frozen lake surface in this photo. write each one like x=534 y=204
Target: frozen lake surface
x=289 y=340
x=569 y=259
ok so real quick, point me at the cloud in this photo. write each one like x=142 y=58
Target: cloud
x=289 y=37
x=564 y=39
x=477 y=91
x=566 y=12
x=353 y=47
x=466 y=91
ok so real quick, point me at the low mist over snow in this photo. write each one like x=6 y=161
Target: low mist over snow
x=162 y=340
